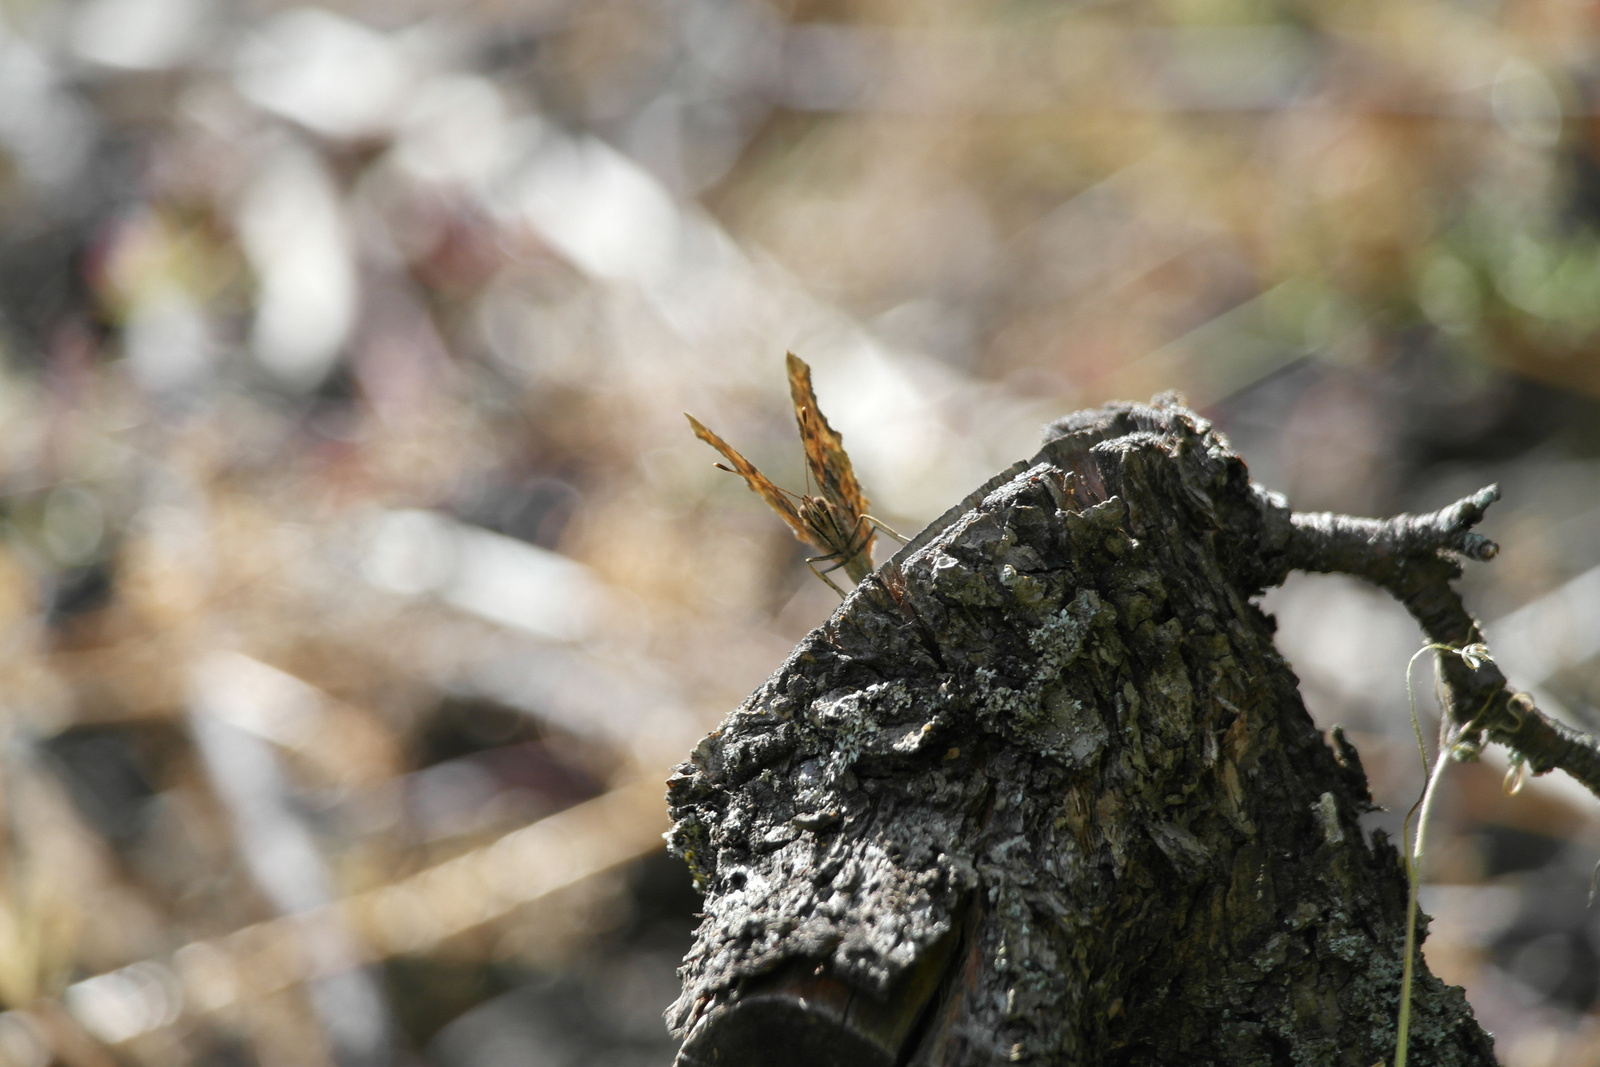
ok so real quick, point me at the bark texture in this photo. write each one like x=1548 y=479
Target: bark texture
x=1043 y=791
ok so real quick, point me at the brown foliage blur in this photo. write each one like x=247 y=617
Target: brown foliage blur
x=360 y=582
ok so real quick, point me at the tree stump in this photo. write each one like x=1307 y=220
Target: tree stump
x=1043 y=791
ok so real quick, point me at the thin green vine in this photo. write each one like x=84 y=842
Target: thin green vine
x=1460 y=746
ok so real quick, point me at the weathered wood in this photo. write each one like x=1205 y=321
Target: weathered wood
x=1048 y=760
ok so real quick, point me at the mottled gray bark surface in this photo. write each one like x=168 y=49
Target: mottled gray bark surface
x=1043 y=791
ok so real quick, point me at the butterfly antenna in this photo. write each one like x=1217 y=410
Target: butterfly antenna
x=810 y=484
x=779 y=488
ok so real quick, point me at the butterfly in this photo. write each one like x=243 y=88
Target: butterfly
x=835 y=519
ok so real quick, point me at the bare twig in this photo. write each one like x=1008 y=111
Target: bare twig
x=1415 y=558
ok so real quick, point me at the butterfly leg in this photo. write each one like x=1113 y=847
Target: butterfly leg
x=823 y=574
x=886 y=528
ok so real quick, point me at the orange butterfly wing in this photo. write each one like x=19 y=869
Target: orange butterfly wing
x=834 y=521
x=825 y=454
x=758 y=482
x=851 y=536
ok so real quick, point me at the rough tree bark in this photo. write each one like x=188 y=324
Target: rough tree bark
x=1042 y=790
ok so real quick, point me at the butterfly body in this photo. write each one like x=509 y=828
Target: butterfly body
x=846 y=539
x=834 y=518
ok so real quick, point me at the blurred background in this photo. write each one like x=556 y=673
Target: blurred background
x=360 y=580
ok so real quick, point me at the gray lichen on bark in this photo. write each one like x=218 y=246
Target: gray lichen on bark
x=1049 y=756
